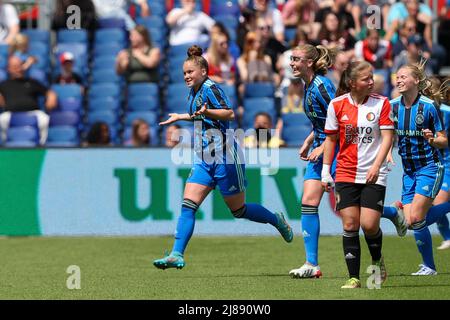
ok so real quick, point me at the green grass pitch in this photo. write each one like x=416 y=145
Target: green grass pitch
x=216 y=268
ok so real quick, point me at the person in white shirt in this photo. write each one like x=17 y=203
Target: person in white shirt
x=118 y=9
x=187 y=25
x=9 y=23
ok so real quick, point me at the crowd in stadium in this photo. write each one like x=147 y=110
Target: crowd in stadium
x=110 y=80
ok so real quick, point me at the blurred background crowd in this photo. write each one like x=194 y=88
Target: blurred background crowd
x=105 y=72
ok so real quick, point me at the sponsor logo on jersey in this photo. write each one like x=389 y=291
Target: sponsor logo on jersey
x=419 y=119
x=344 y=118
x=370 y=116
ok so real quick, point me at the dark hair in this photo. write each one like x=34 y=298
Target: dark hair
x=94 y=135
x=142 y=30
x=135 y=128
x=194 y=54
x=222 y=29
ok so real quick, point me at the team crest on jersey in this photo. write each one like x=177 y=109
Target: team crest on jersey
x=199 y=102
x=370 y=116
x=420 y=118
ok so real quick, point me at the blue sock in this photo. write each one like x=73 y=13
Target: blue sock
x=257 y=213
x=389 y=213
x=444 y=228
x=185 y=226
x=310 y=231
x=424 y=243
x=437 y=212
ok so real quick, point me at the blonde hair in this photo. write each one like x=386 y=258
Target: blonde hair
x=425 y=86
x=20 y=42
x=351 y=73
x=323 y=57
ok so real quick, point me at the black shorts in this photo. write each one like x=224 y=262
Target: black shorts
x=362 y=195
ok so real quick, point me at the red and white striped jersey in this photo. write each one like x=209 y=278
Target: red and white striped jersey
x=359 y=128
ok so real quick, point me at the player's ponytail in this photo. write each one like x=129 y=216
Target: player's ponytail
x=351 y=74
x=195 y=54
x=320 y=55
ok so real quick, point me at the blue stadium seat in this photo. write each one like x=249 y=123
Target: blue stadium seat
x=178 y=51
x=39 y=75
x=178 y=90
x=63 y=136
x=64 y=118
x=259 y=90
x=111 y=23
x=150 y=117
x=37 y=35
x=78 y=35
x=225 y=8
x=107 y=116
x=157 y=8
x=176 y=105
x=295 y=119
x=3 y=75
x=23 y=133
x=176 y=74
x=101 y=90
x=252 y=106
x=143 y=90
x=105 y=76
x=20 y=144
x=77 y=49
x=294 y=136
x=104 y=103
x=152 y=22
x=110 y=36
x=108 y=49
x=22 y=119
x=289 y=34
x=104 y=63
x=4 y=50
x=228 y=20
x=148 y=103
x=67 y=90
x=3 y=62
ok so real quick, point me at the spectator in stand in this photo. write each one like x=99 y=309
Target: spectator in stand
x=19 y=48
x=272 y=47
x=187 y=25
x=398 y=12
x=67 y=75
x=140 y=134
x=247 y=24
x=98 y=135
x=271 y=15
x=407 y=28
x=222 y=67
x=140 y=62
x=333 y=36
x=233 y=48
x=342 y=9
x=361 y=11
x=88 y=17
x=341 y=62
x=118 y=9
x=376 y=51
x=9 y=23
x=300 y=13
x=261 y=135
x=27 y=100
x=254 y=65
x=292 y=101
x=173 y=135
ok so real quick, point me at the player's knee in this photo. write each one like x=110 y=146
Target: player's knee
x=239 y=213
x=351 y=225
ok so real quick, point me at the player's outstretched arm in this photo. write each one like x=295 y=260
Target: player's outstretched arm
x=174 y=117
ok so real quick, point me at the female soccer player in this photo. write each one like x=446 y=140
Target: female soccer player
x=420 y=134
x=217 y=160
x=311 y=64
x=362 y=122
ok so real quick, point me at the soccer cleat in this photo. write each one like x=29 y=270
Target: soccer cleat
x=284 y=228
x=424 y=271
x=380 y=264
x=352 y=283
x=400 y=220
x=306 y=271
x=174 y=260
x=444 y=245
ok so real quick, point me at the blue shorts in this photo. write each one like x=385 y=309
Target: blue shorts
x=314 y=170
x=426 y=181
x=446 y=183
x=229 y=177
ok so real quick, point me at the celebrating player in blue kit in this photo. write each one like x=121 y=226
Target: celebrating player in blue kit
x=217 y=161
x=311 y=64
x=421 y=134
